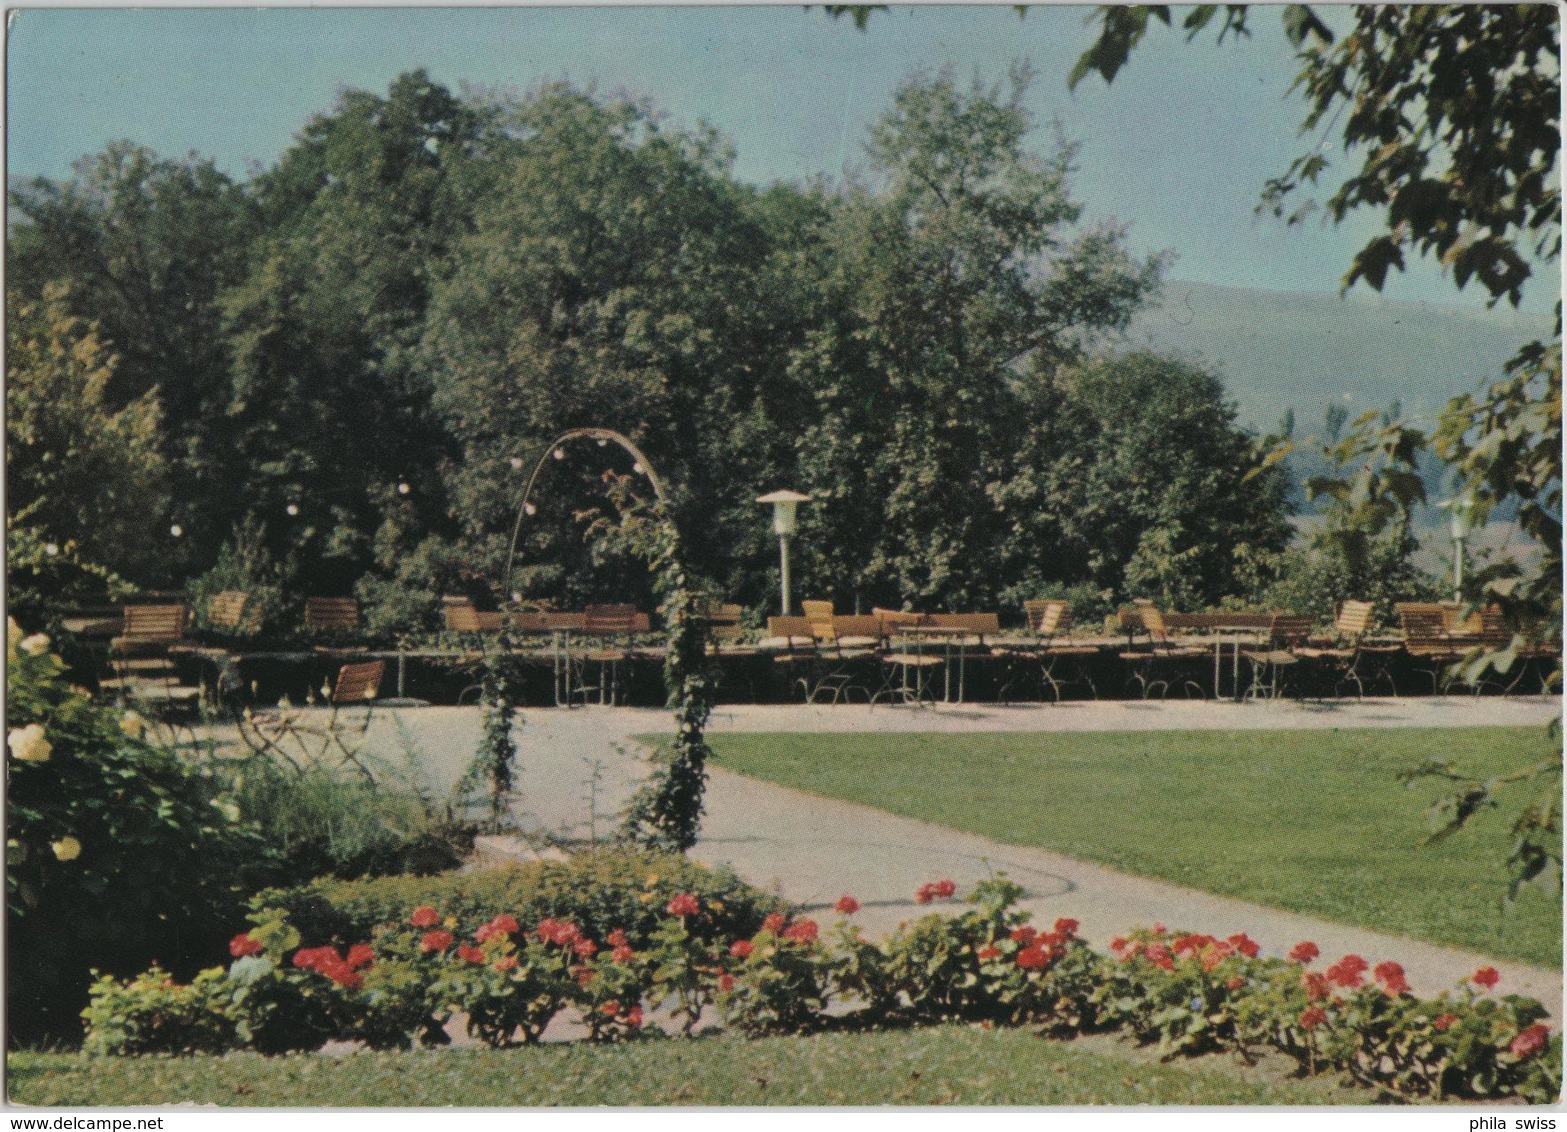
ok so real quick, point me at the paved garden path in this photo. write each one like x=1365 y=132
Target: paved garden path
x=812 y=849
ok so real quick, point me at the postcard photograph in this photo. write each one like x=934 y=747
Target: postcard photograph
x=836 y=556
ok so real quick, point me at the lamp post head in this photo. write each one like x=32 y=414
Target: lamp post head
x=785 y=521
x=1458 y=510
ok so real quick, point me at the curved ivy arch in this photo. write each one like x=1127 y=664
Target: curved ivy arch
x=667 y=810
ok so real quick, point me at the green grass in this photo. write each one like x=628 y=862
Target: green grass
x=925 y=1067
x=1312 y=821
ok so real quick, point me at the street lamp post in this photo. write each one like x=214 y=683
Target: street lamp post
x=785 y=523
x=1458 y=527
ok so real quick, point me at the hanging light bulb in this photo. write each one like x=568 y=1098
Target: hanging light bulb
x=176 y=530
x=530 y=509
x=603 y=441
x=515 y=462
x=637 y=467
x=403 y=489
x=292 y=508
x=560 y=453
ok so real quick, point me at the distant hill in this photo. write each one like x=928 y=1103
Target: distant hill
x=1279 y=350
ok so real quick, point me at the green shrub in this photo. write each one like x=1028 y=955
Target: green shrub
x=151 y=1013
x=244 y=563
x=324 y=822
x=119 y=853
x=602 y=891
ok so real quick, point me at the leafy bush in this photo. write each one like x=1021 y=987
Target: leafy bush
x=601 y=892
x=119 y=853
x=246 y=565
x=327 y=823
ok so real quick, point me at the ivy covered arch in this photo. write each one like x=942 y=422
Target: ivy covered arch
x=666 y=811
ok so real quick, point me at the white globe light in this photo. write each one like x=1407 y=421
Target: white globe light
x=530 y=509
x=292 y=508
x=176 y=530
x=515 y=462
x=403 y=489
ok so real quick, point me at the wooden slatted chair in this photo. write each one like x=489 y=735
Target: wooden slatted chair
x=142 y=665
x=1287 y=633
x=1347 y=657
x=466 y=618
x=331 y=616
x=300 y=738
x=1427 y=641
x=226 y=611
x=610 y=627
x=1165 y=655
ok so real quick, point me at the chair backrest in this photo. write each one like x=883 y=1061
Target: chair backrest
x=1354 y=619
x=641 y=623
x=722 y=613
x=894 y=619
x=1493 y=626
x=1131 y=617
x=977 y=623
x=609 y=619
x=856 y=625
x=799 y=627
x=817 y=610
x=1153 y=621
x=467 y=619
x=564 y=622
x=1423 y=621
x=155 y=622
x=226 y=610
x=331 y=613
x=1291 y=628
x=359 y=683
x=527 y=621
x=1048 y=616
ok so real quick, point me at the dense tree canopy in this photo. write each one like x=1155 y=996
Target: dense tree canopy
x=365 y=346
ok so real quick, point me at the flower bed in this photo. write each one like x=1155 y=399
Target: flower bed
x=1188 y=992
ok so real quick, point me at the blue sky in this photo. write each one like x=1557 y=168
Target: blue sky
x=1177 y=149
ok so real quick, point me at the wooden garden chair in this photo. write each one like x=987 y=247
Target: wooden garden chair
x=332 y=617
x=1166 y=661
x=304 y=737
x=226 y=611
x=1431 y=647
x=1287 y=633
x=1347 y=656
x=141 y=660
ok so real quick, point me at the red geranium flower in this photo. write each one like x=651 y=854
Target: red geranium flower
x=1159 y=955
x=610 y=1008
x=506 y=963
x=1025 y=935
x=1313 y=1016
x=1066 y=926
x=583 y=975
x=740 y=948
x=584 y=947
x=847 y=905
x=683 y=905
x=436 y=941
x=1033 y=958
x=424 y=917
x=1443 y=1021
x=1304 y=952
x=1117 y=943
x=987 y=953
x=470 y=954
x=944 y=889
x=1316 y=985
x=622 y=954
x=341 y=974
x=616 y=938
x=801 y=931
x=726 y=982
x=1191 y=943
x=774 y=923
x=1391 y=976
x=243 y=945
x=1235 y=983
x=312 y=958
x=1486 y=977
x=924 y=894
x=1530 y=1041
x=360 y=955
x=1245 y=945
x=634 y=1017
x=1212 y=957
x=1347 y=972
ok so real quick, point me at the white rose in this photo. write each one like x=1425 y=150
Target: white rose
x=28 y=744
x=37 y=643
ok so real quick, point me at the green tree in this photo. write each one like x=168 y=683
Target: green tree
x=1135 y=479
x=145 y=246
x=961 y=263
x=83 y=476
x=327 y=417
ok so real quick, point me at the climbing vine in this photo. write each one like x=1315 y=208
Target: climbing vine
x=666 y=811
x=494 y=766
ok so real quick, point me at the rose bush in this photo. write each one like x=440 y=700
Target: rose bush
x=1188 y=992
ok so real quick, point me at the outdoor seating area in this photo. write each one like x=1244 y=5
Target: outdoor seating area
x=612 y=653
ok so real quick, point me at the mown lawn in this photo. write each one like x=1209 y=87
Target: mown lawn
x=1312 y=821
x=948 y=1065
